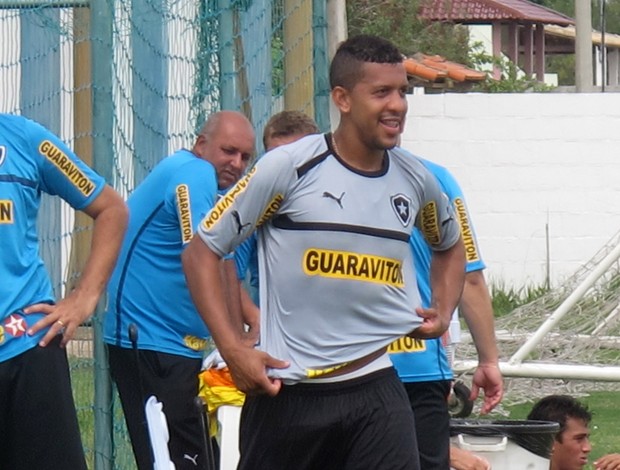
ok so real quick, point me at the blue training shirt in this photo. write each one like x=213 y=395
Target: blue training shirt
x=148 y=285
x=32 y=161
x=426 y=360
x=246 y=262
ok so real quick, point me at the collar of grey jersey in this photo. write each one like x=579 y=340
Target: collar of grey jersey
x=385 y=165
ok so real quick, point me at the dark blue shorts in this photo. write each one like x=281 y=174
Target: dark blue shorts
x=173 y=380
x=38 y=423
x=361 y=424
x=432 y=422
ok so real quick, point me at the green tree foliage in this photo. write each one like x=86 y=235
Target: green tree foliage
x=612 y=16
x=564 y=66
x=397 y=20
x=563 y=6
x=612 y=12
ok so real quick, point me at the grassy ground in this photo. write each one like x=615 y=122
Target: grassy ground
x=505 y=300
x=82 y=376
x=605 y=437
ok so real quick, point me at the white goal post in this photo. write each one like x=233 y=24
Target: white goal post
x=518 y=365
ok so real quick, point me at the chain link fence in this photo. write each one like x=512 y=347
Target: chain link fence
x=125 y=83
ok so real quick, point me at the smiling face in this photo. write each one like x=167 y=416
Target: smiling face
x=227 y=143
x=374 y=109
x=572 y=447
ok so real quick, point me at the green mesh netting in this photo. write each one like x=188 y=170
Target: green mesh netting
x=125 y=83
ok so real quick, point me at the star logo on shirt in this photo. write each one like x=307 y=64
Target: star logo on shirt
x=15 y=326
x=402 y=207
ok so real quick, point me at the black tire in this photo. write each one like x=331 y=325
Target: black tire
x=459 y=404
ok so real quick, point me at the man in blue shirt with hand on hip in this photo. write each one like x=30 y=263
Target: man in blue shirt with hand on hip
x=39 y=427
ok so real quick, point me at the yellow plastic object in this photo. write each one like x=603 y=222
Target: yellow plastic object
x=216 y=388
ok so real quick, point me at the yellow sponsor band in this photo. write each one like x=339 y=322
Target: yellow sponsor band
x=407 y=344
x=195 y=343
x=471 y=250
x=272 y=208
x=67 y=167
x=1 y=334
x=185 y=215
x=314 y=373
x=430 y=223
x=354 y=266
x=6 y=211
x=226 y=201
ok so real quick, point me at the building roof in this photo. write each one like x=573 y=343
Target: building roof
x=486 y=11
x=437 y=72
x=569 y=32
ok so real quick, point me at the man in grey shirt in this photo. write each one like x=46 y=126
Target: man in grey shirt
x=334 y=213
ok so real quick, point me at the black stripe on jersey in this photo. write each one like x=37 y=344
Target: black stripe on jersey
x=17 y=179
x=314 y=161
x=310 y=164
x=285 y=223
x=121 y=281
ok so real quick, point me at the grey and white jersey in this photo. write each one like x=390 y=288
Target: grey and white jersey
x=335 y=266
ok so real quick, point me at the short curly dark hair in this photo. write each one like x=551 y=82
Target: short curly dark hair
x=558 y=408
x=345 y=69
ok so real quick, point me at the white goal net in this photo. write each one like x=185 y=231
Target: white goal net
x=567 y=341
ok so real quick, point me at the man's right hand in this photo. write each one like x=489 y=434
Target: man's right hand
x=248 y=368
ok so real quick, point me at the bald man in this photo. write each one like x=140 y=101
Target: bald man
x=162 y=354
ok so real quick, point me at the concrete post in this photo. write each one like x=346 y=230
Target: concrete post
x=583 y=46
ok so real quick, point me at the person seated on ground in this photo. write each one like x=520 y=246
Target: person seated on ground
x=571 y=446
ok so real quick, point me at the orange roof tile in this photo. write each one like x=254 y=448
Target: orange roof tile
x=437 y=68
x=417 y=69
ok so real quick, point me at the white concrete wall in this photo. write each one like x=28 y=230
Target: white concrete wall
x=527 y=162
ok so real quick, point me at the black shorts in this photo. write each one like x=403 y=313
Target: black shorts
x=361 y=424
x=432 y=422
x=38 y=423
x=173 y=380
